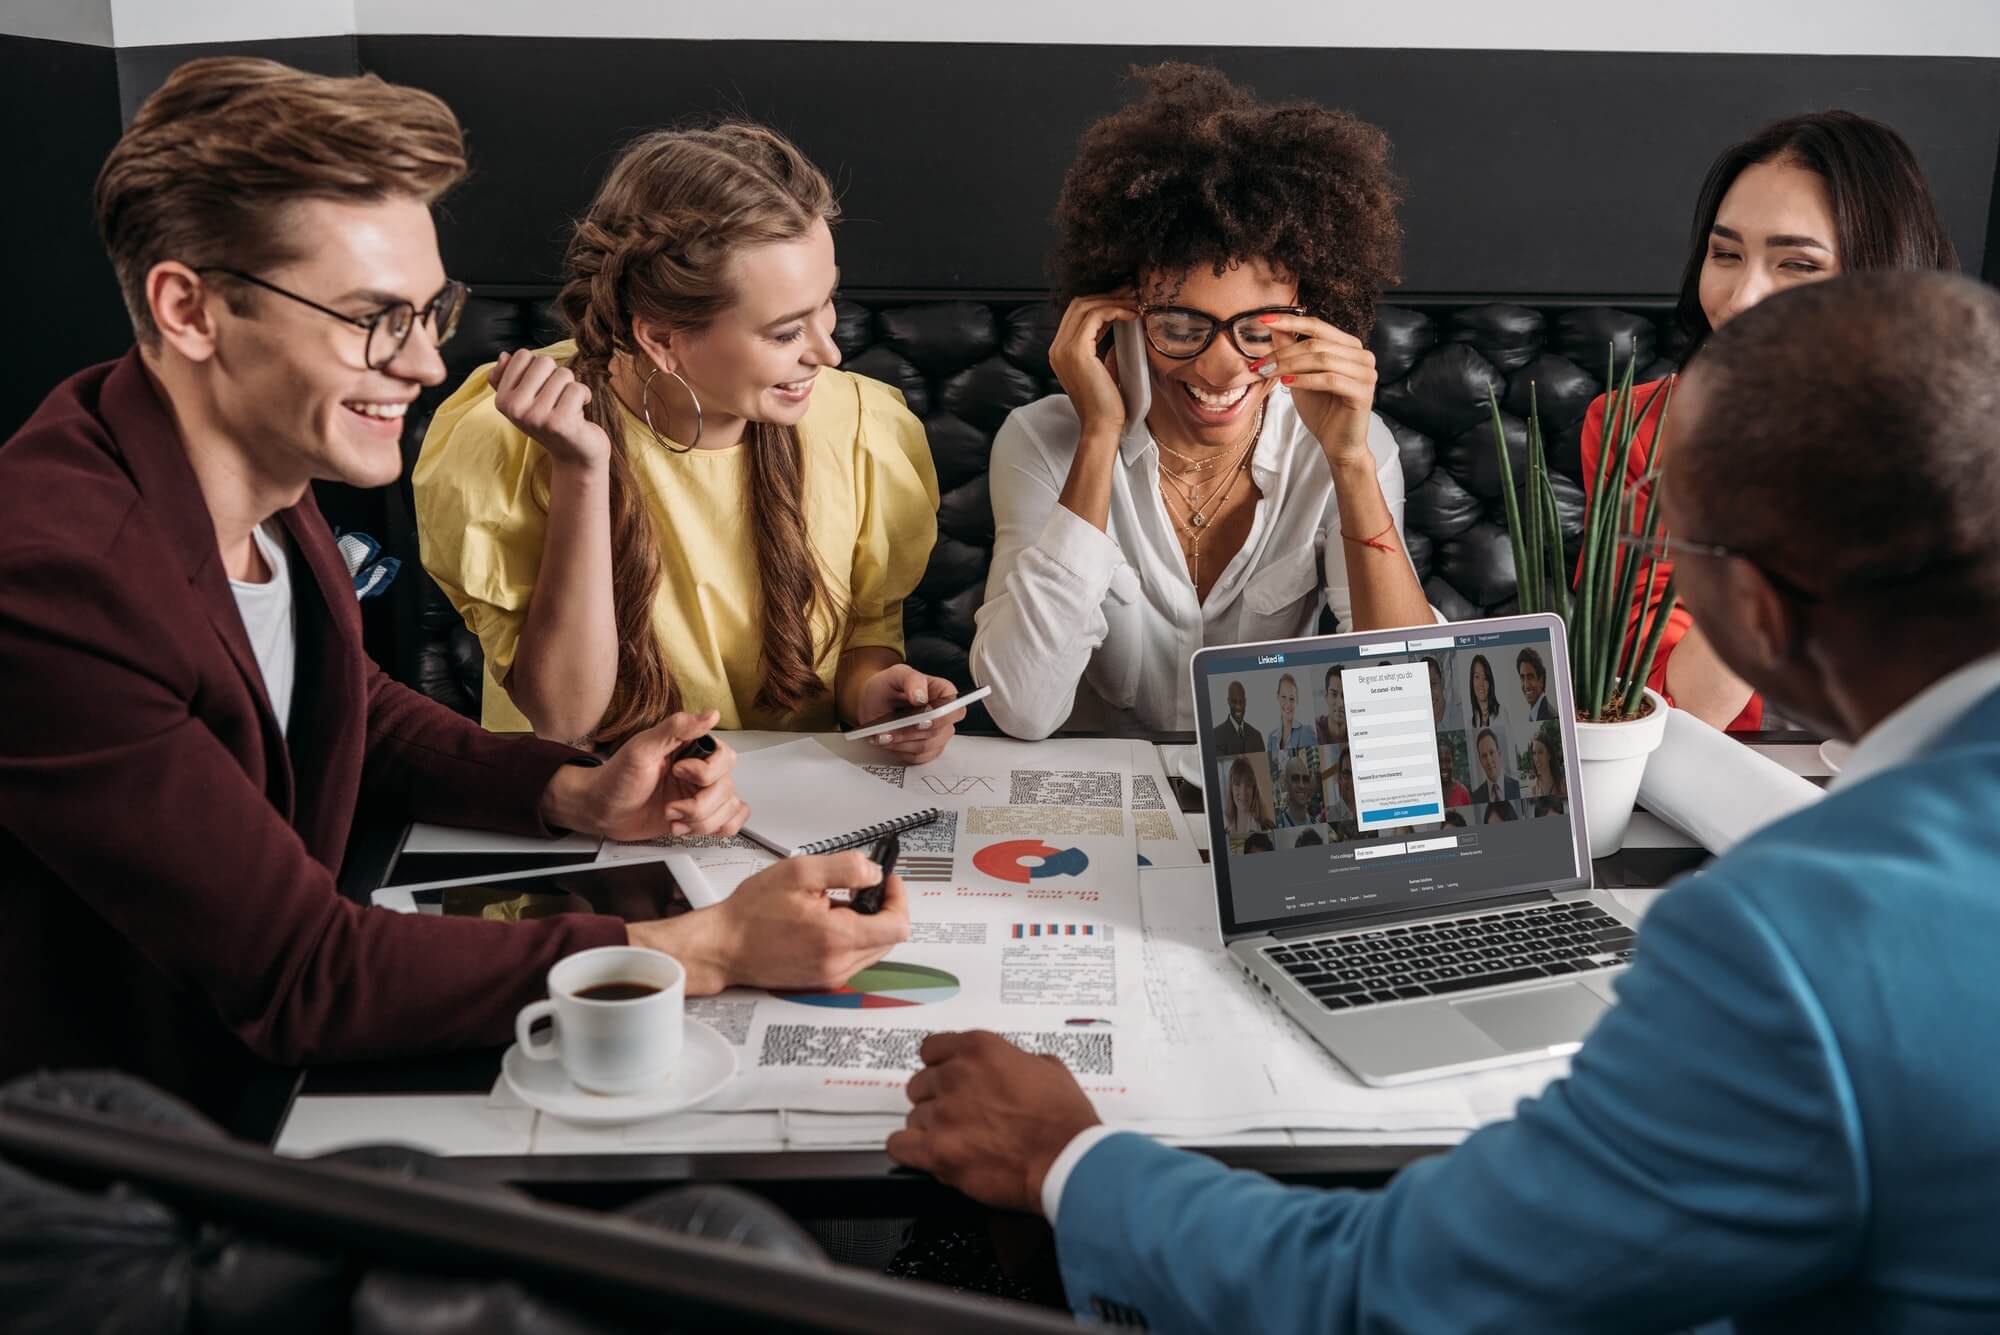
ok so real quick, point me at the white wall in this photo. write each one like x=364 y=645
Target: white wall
x=1827 y=27
x=1856 y=27
x=172 y=22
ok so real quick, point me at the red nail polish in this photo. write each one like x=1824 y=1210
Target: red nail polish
x=1259 y=362
x=1269 y=319
x=1288 y=379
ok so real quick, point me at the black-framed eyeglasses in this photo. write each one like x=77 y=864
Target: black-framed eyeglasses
x=388 y=328
x=1183 y=333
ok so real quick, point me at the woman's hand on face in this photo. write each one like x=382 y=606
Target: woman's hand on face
x=541 y=397
x=1087 y=378
x=1332 y=378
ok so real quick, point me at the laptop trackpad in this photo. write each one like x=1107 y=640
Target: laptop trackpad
x=1540 y=1018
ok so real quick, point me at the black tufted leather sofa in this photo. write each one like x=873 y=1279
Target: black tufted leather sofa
x=965 y=363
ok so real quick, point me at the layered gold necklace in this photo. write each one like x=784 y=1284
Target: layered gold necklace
x=1201 y=509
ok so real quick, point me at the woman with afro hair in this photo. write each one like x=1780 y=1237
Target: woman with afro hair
x=1247 y=243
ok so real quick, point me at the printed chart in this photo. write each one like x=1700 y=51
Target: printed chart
x=1023 y=860
x=882 y=985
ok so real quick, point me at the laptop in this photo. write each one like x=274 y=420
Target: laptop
x=1398 y=845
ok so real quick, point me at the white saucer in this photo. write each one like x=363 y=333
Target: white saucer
x=707 y=1064
x=1834 y=754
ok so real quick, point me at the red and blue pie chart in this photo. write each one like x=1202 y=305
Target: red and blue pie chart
x=1022 y=860
x=884 y=984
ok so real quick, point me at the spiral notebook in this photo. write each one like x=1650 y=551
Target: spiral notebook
x=805 y=799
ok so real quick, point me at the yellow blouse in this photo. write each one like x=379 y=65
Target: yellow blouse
x=871 y=499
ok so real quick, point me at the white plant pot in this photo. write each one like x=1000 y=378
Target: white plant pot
x=1611 y=759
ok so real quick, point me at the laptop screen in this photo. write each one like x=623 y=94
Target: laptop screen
x=1349 y=775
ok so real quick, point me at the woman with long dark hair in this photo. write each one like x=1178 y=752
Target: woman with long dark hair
x=1801 y=200
x=686 y=502
x=1479 y=688
x=1545 y=749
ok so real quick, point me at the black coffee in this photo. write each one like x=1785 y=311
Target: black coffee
x=617 y=992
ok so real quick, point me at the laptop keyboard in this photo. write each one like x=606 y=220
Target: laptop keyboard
x=1445 y=955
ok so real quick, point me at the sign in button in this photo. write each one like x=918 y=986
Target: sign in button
x=1414 y=811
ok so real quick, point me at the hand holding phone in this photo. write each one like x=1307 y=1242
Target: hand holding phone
x=1077 y=356
x=1135 y=380
x=908 y=716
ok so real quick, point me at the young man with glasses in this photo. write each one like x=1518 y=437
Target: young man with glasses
x=190 y=722
x=1243 y=243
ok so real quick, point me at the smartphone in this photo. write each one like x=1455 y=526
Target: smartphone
x=1135 y=380
x=911 y=714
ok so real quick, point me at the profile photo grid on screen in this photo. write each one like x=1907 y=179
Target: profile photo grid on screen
x=1370 y=774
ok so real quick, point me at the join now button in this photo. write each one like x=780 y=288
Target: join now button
x=1402 y=813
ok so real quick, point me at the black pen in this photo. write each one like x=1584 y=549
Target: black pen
x=884 y=853
x=701 y=748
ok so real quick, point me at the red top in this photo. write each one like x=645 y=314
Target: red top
x=1646 y=602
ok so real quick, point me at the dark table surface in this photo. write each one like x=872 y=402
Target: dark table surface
x=844 y=1182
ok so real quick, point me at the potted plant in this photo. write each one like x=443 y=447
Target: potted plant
x=1620 y=721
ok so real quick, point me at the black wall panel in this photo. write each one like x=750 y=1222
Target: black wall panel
x=141 y=69
x=1548 y=174
x=59 y=102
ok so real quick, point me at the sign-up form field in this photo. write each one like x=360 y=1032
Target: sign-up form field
x=1391 y=733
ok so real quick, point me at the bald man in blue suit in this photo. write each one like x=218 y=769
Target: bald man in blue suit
x=1791 y=1120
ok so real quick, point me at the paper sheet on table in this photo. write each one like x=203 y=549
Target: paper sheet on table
x=1157 y=822
x=691 y=1132
x=1715 y=789
x=1223 y=1057
x=1037 y=938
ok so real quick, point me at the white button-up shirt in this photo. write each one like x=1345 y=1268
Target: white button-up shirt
x=1094 y=628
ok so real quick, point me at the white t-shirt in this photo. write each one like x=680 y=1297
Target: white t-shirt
x=269 y=620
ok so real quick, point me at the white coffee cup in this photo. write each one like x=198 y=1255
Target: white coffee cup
x=609 y=1046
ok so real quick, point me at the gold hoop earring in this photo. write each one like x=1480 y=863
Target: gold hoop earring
x=646 y=411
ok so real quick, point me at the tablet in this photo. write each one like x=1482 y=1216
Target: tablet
x=634 y=891
x=433 y=868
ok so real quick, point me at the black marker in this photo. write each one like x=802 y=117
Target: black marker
x=884 y=853
x=701 y=748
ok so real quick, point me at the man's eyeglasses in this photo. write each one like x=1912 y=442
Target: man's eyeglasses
x=388 y=328
x=1660 y=547
x=1855 y=584
x=1183 y=333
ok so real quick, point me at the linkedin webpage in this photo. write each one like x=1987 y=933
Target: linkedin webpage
x=1367 y=777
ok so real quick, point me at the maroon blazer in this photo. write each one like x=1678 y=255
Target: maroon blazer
x=167 y=857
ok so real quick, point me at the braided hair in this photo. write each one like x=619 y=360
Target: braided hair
x=654 y=249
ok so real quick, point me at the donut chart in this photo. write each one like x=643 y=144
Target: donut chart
x=1009 y=861
x=886 y=984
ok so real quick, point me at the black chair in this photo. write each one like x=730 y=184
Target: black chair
x=124 y=1209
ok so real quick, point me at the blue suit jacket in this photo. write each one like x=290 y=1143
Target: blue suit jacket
x=1792 y=1117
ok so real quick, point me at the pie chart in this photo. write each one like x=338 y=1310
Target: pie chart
x=1023 y=860
x=884 y=984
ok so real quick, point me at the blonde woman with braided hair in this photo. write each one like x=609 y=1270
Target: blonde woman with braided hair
x=686 y=505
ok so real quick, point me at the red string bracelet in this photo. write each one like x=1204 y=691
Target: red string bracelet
x=1376 y=541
